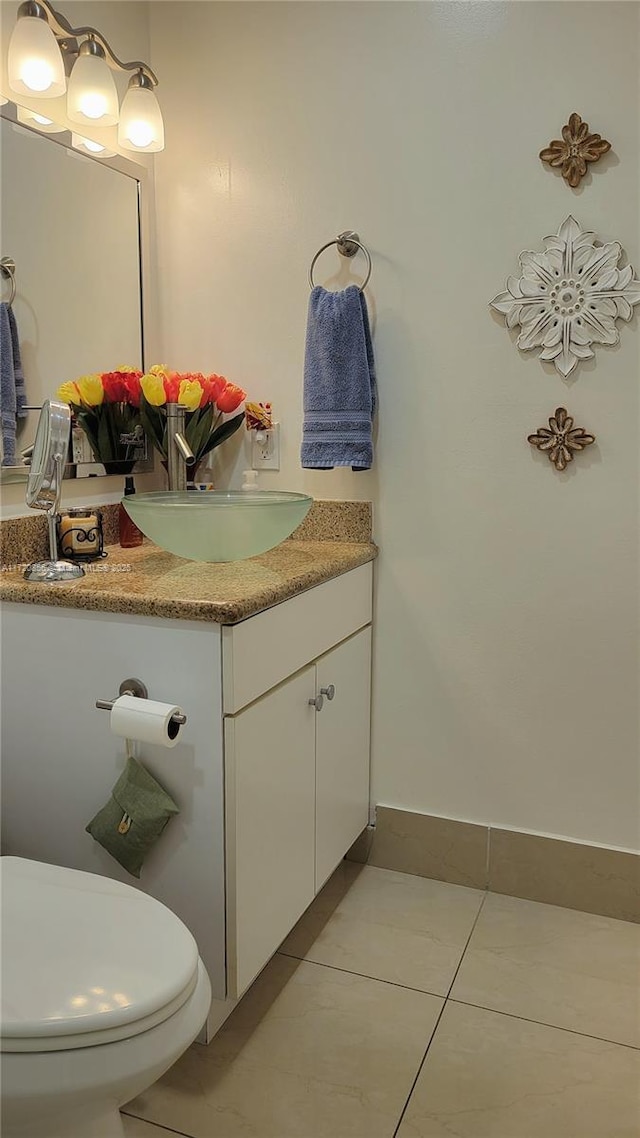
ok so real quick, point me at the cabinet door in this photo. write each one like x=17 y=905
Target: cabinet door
x=270 y=791
x=342 y=751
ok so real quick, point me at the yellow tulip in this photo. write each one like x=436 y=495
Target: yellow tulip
x=153 y=389
x=159 y=369
x=190 y=394
x=91 y=390
x=68 y=393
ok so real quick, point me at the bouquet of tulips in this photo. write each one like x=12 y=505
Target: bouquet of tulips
x=207 y=397
x=117 y=408
x=107 y=407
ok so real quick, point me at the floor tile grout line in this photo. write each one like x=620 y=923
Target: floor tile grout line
x=419 y=1071
x=437 y=1023
x=543 y=1023
x=467 y=943
x=158 y=1125
x=362 y=975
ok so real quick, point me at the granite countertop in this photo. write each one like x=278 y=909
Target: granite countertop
x=149 y=582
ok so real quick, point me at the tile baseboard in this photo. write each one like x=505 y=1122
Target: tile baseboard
x=440 y=848
x=556 y=871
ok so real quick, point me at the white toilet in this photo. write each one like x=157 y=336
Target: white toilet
x=102 y=990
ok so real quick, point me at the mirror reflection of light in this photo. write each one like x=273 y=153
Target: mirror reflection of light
x=104 y=1007
x=78 y=1001
x=97 y=991
x=121 y=1000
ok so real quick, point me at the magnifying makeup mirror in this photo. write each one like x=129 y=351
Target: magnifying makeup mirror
x=44 y=487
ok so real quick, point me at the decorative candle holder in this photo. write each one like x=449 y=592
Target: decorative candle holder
x=80 y=534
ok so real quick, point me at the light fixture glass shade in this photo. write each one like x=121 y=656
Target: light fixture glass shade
x=141 y=126
x=35 y=63
x=88 y=146
x=92 y=95
x=32 y=118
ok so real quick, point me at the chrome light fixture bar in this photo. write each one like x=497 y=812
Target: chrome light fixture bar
x=45 y=49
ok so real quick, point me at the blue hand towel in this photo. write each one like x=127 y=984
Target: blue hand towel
x=339 y=382
x=12 y=390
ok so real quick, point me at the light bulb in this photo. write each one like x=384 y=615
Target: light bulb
x=140 y=133
x=93 y=105
x=37 y=74
x=34 y=62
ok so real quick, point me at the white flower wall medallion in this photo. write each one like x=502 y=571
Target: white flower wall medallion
x=569 y=296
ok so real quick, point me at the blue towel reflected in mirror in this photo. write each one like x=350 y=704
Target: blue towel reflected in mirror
x=12 y=390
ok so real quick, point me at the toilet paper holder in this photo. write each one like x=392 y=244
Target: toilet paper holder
x=139 y=690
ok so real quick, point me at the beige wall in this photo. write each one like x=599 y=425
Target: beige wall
x=506 y=644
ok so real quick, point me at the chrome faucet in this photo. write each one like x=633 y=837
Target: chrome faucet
x=179 y=453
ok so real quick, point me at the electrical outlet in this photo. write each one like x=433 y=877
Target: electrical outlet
x=265 y=448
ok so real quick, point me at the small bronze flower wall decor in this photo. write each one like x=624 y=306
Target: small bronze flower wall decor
x=576 y=147
x=561 y=439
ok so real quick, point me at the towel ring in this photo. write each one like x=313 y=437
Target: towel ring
x=8 y=270
x=348 y=244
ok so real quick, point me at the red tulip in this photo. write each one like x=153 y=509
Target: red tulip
x=212 y=386
x=230 y=398
x=172 y=386
x=115 y=390
x=132 y=388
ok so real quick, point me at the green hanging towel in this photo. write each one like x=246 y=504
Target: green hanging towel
x=134 y=817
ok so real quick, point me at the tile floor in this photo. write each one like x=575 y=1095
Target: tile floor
x=405 y=1007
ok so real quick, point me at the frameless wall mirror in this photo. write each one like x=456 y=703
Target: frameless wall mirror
x=71 y=224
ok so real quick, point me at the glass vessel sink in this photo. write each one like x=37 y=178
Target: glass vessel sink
x=217 y=525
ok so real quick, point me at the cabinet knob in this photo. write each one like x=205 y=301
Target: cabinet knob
x=329 y=692
x=318 y=702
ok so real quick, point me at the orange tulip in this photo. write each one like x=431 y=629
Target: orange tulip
x=230 y=398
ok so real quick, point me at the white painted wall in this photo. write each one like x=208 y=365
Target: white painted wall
x=506 y=646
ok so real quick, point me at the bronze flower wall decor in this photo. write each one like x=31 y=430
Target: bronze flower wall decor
x=561 y=439
x=575 y=149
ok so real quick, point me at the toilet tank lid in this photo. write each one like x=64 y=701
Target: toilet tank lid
x=82 y=953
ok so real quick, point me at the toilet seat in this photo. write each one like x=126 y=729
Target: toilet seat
x=86 y=960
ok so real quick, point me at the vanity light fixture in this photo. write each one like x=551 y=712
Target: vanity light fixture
x=31 y=118
x=45 y=49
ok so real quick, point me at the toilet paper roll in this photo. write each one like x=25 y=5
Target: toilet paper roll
x=145 y=720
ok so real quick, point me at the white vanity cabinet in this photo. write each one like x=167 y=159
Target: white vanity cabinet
x=296 y=797
x=296 y=759
x=272 y=792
